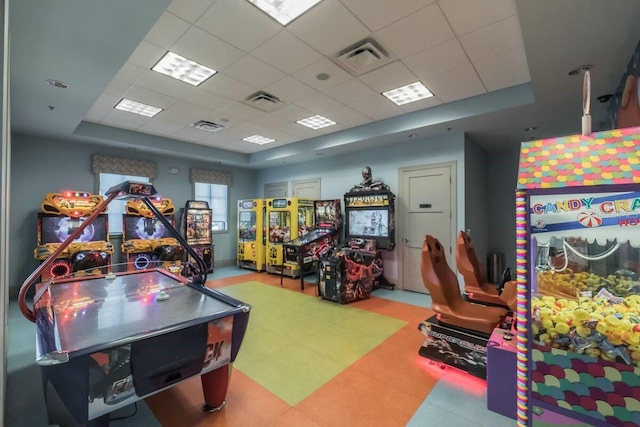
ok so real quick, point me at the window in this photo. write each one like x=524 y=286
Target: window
x=116 y=207
x=216 y=195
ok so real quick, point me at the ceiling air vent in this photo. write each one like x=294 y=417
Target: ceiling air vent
x=362 y=57
x=208 y=126
x=264 y=101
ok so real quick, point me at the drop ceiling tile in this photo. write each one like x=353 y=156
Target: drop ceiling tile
x=191 y=134
x=456 y=83
x=379 y=13
x=164 y=84
x=221 y=84
x=389 y=77
x=271 y=121
x=350 y=91
x=437 y=60
x=179 y=115
x=167 y=30
x=466 y=16
x=299 y=131
x=219 y=140
x=286 y=52
x=207 y=99
x=329 y=27
x=238 y=23
x=376 y=107
x=240 y=110
x=123 y=119
x=254 y=72
x=493 y=39
x=200 y=46
x=117 y=87
x=505 y=70
x=194 y=110
x=103 y=105
x=130 y=73
x=150 y=97
x=348 y=117
x=418 y=31
x=247 y=129
x=319 y=103
x=309 y=74
x=420 y=104
x=156 y=126
x=293 y=113
x=146 y=55
x=290 y=90
x=226 y=119
x=189 y=10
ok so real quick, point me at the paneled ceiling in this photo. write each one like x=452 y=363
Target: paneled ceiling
x=495 y=67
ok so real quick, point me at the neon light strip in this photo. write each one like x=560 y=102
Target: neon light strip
x=522 y=310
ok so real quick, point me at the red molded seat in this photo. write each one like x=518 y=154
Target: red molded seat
x=476 y=284
x=447 y=301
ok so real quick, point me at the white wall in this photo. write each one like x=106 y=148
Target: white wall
x=339 y=173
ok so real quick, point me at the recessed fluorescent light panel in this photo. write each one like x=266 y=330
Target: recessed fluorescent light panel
x=137 y=108
x=316 y=122
x=409 y=93
x=181 y=68
x=284 y=11
x=258 y=139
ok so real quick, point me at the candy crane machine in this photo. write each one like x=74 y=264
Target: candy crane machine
x=252 y=240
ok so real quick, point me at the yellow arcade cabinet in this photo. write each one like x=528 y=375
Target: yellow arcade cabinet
x=288 y=219
x=252 y=240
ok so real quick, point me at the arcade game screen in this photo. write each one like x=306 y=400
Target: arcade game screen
x=198 y=227
x=368 y=222
x=140 y=227
x=56 y=229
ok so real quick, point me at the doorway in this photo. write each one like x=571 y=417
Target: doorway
x=428 y=206
x=306 y=189
x=276 y=190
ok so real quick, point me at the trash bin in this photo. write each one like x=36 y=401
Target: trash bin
x=495 y=267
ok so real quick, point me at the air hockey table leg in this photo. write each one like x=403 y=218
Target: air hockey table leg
x=214 y=388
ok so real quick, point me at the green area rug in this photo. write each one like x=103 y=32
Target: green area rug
x=295 y=343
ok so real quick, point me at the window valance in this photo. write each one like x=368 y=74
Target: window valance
x=107 y=164
x=211 y=176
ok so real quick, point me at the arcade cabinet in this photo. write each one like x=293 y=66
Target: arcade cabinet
x=252 y=240
x=61 y=214
x=106 y=341
x=303 y=253
x=195 y=226
x=288 y=218
x=146 y=241
x=353 y=270
x=457 y=335
x=578 y=202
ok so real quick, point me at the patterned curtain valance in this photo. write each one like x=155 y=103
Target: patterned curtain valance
x=211 y=176
x=108 y=164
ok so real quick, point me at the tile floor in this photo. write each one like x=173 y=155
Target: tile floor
x=378 y=381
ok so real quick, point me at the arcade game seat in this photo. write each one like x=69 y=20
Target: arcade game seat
x=476 y=284
x=447 y=301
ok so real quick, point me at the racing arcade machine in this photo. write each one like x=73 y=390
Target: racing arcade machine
x=252 y=240
x=349 y=273
x=195 y=226
x=303 y=252
x=155 y=330
x=146 y=241
x=62 y=214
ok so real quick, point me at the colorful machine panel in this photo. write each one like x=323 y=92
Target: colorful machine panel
x=328 y=214
x=288 y=219
x=74 y=204
x=252 y=239
x=578 y=288
x=370 y=215
x=196 y=229
x=137 y=207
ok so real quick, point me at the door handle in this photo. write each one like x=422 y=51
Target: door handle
x=405 y=241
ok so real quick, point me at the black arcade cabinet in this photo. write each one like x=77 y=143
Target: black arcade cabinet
x=195 y=226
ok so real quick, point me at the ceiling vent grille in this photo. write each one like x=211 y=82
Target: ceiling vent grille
x=208 y=126
x=264 y=101
x=362 y=57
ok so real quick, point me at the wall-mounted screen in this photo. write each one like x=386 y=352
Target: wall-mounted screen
x=141 y=227
x=56 y=229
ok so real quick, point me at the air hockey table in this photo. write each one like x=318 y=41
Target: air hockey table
x=104 y=343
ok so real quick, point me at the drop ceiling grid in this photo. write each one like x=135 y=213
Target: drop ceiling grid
x=434 y=42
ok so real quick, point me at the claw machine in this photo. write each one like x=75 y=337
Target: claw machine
x=252 y=240
x=288 y=219
x=578 y=248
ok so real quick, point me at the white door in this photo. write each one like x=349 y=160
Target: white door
x=308 y=189
x=427 y=207
x=275 y=189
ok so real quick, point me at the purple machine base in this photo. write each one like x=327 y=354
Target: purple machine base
x=501 y=374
